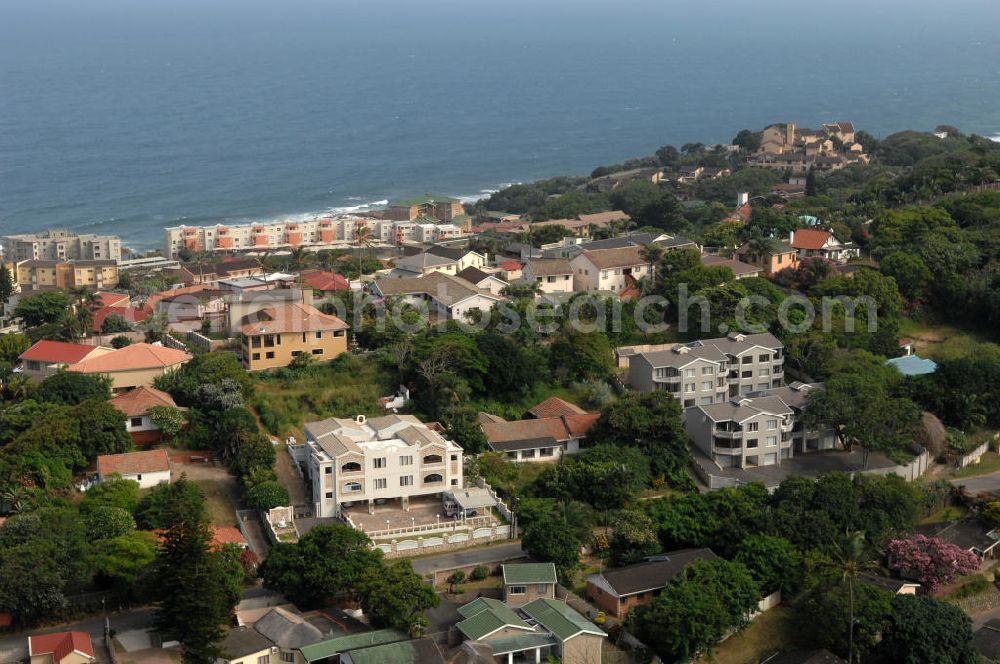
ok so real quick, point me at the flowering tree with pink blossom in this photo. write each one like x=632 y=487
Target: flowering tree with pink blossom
x=930 y=560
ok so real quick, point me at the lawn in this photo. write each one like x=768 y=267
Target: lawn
x=539 y=392
x=769 y=632
x=219 y=495
x=989 y=463
x=351 y=388
x=945 y=342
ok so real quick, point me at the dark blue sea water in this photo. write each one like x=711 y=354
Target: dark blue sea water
x=125 y=116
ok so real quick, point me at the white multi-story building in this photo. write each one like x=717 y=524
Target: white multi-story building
x=319 y=232
x=395 y=457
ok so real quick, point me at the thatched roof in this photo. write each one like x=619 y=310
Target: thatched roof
x=932 y=434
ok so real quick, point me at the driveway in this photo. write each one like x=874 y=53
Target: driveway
x=981 y=484
x=468 y=557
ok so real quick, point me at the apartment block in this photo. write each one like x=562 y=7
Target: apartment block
x=277 y=334
x=320 y=232
x=442 y=208
x=40 y=274
x=709 y=371
x=60 y=245
x=396 y=457
x=760 y=429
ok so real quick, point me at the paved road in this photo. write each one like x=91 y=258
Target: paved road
x=982 y=483
x=492 y=554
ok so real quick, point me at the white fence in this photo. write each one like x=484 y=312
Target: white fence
x=974 y=456
x=413 y=546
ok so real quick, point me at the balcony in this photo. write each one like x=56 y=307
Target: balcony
x=727 y=446
x=728 y=434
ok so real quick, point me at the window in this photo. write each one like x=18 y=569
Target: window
x=772 y=441
x=351 y=467
x=747 y=360
x=433 y=477
x=136 y=421
x=515 y=590
x=752 y=442
x=706 y=385
x=763 y=358
x=432 y=459
x=689 y=373
x=752 y=426
x=379 y=462
x=705 y=401
x=256 y=356
x=406 y=480
x=688 y=403
x=528 y=454
x=269 y=355
x=287 y=657
x=543 y=588
x=772 y=424
x=545 y=452
x=454 y=457
x=707 y=371
x=352 y=487
x=319 y=335
x=264 y=659
x=406 y=461
x=604 y=275
x=329 y=494
x=454 y=482
x=381 y=483
x=317 y=351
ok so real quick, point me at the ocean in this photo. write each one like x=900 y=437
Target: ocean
x=124 y=117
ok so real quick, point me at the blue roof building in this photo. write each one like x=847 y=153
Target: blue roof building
x=913 y=365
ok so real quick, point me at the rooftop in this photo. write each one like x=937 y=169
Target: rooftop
x=416 y=651
x=558 y=618
x=604 y=259
x=338 y=436
x=809 y=238
x=339 y=644
x=132 y=357
x=485 y=616
x=286 y=629
x=130 y=463
x=653 y=573
x=442 y=287
x=555 y=407
x=242 y=642
x=138 y=401
x=525 y=573
x=548 y=267
x=739 y=268
x=290 y=317
x=324 y=281
x=714 y=350
x=60 y=644
x=57 y=351
x=913 y=365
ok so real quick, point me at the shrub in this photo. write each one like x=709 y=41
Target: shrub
x=268 y=495
x=479 y=573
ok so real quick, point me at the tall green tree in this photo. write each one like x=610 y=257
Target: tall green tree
x=44 y=308
x=397 y=597
x=194 y=599
x=925 y=629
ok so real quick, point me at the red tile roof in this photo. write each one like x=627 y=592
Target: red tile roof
x=60 y=645
x=325 y=281
x=135 y=356
x=222 y=535
x=604 y=259
x=291 y=318
x=112 y=299
x=128 y=313
x=138 y=401
x=57 y=351
x=555 y=407
x=130 y=463
x=808 y=238
x=511 y=265
x=579 y=425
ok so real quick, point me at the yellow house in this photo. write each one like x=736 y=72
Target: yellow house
x=273 y=336
x=772 y=258
x=66 y=275
x=133 y=366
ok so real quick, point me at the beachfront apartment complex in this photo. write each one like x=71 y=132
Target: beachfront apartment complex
x=708 y=371
x=60 y=245
x=395 y=457
x=321 y=232
x=42 y=274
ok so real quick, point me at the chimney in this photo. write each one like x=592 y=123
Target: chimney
x=791 y=237
x=790 y=133
x=742 y=198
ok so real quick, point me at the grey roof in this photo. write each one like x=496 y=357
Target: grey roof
x=454 y=253
x=287 y=629
x=420 y=262
x=739 y=268
x=442 y=287
x=886 y=583
x=656 y=572
x=795 y=394
x=473 y=498
x=473 y=275
x=714 y=350
x=546 y=267
x=967 y=534
x=243 y=641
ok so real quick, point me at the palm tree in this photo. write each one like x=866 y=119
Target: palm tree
x=302 y=258
x=364 y=239
x=851 y=559
x=651 y=253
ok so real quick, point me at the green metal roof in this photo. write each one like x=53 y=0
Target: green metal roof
x=419 y=651
x=483 y=616
x=423 y=200
x=334 y=646
x=506 y=644
x=529 y=573
x=558 y=618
